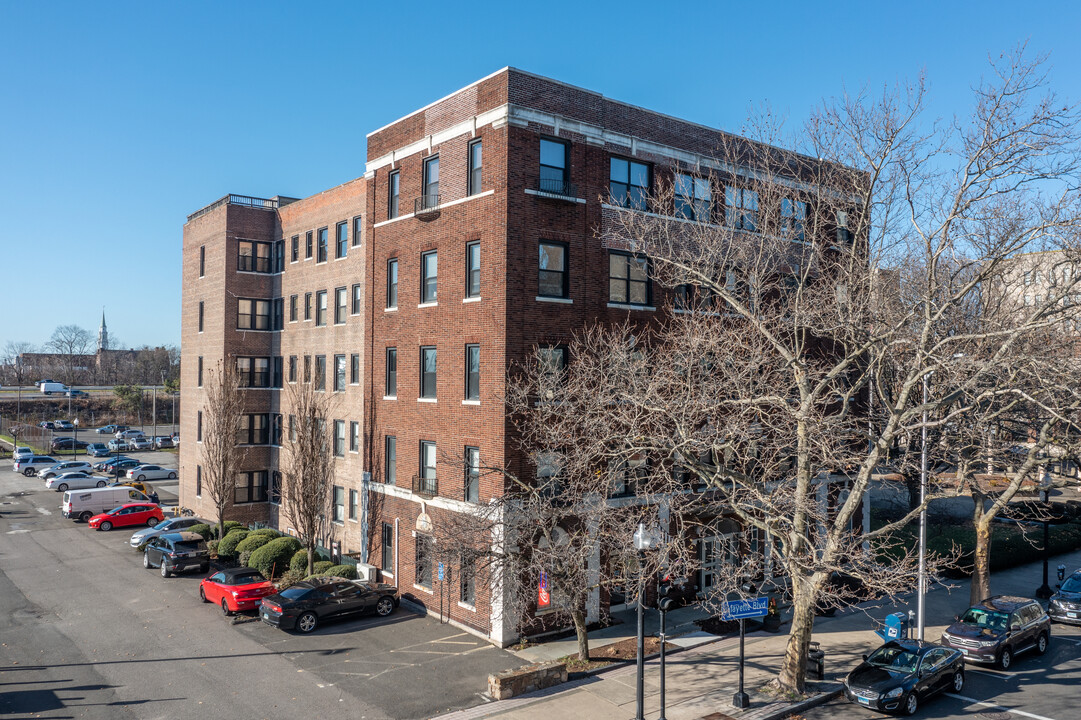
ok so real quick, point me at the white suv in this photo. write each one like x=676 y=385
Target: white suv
x=29 y=466
x=22 y=453
x=128 y=434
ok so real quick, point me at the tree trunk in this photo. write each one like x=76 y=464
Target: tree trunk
x=221 y=528
x=311 y=557
x=794 y=665
x=579 y=617
x=980 y=588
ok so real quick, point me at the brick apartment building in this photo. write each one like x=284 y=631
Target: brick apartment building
x=471 y=238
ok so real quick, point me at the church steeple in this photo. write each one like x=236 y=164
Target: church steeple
x=103 y=334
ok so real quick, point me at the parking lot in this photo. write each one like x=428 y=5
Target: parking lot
x=87 y=632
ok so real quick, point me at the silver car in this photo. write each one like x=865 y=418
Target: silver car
x=140 y=443
x=79 y=480
x=167 y=525
x=151 y=472
x=64 y=467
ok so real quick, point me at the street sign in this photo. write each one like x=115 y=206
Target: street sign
x=544 y=599
x=738 y=609
x=441 y=571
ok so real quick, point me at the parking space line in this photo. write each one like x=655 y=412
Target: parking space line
x=1000 y=675
x=1073 y=640
x=1001 y=708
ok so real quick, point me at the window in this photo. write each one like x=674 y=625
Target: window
x=476 y=163
x=279 y=256
x=392 y=283
x=391 y=389
x=276 y=488
x=693 y=198
x=294 y=248
x=339 y=373
x=431 y=182
x=553 y=167
x=202 y=260
x=422 y=560
x=793 y=218
x=427 y=372
x=341 y=248
x=254 y=429
x=200 y=368
x=390 y=460
x=307 y=368
x=321 y=248
x=320 y=372
x=427 y=466
x=553 y=270
x=467 y=580
x=199 y=426
x=387 y=555
x=201 y=315
x=354 y=369
x=628 y=183
x=338 y=503
x=354 y=502
x=278 y=313
x=694 y=297
x=292 y=368
x=321 y=307
x=472 y=474
x=276 y=378
x=472 y=270
x=339 y=438
x=307 y=306
x=628 y=279
x=250 y=487
x=354 y=436
x=741 y=208
x=292 y=428
x=358 y=230
x=844 y=235
x=294 y=302
x=355 y=307
x=308 y=245
x=253 y=314
x=340 y=305
x=472 y=372
x=198 y=481
x=255 y=257
x=429 y=266
x=392 y=198
x=552 y=360
x=253 y=372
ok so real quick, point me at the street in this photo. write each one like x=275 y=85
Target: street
x=87 y=632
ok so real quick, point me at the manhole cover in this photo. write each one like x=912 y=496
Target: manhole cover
x=993 y=715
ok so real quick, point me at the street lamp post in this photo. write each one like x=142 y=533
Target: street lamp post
x=644 y=540
x=922 y=592
x=1044 y=591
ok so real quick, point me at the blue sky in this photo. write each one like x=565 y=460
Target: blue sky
x=118 y=119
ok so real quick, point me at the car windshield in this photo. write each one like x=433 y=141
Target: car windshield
x=248 y=578
x=295 y=593
x=895 y=658
x=980 y=618
x=1072 y=584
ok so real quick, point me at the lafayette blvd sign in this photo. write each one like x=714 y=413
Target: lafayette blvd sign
x=737 y=609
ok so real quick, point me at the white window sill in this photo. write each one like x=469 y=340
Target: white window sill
x=390 y=397
x=428 y=304
x=307 y=259
x=427 y=400
x=393 y=309
x=423 y=589
x=470 y=402
x=467 y=606
x=343 y=257
x=630 y=306
x=471 y=299
x=386 y=573
x=563 y=301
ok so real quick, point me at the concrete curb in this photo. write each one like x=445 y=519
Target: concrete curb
x=819 y=699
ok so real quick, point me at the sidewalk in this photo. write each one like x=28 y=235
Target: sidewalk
x=701 y=680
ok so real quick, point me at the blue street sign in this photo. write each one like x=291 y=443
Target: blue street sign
x=440 y=572
x=737 y=609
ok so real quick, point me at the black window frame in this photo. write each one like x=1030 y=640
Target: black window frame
x=471 y=487
x=294 y=308
x=474 y=170
x=394 y=193
x=354 y=436
x=257 y=320
x=254 y=429
x=689 y=206
x=339 y=372
x=321 y=308
x=198 y=481
x=200 y=372
x=320 y=372
x=341 y=240
x=254 y=488
x=294 y=249
x=341 y=304
x=199 y=426
x=354 y=368
x=564 y=273
x=307 y=307
x=322 y=243
x=472 y=376
x=426 y=296
x=626 y=195
x=467 y=579
x=429 y=380
x=386 y=554
x=430 y=188
x=549 y=185
x=354 y=505
x=472 y=269
x=392 y=284
x=792 y=223
x=358 y=230
x=423 y=555
x=338 y=440
x=309 y=244
x=262 y=257
x=390 y=377
x=248 y=374
x=390 y=460
x=202 y=315
x=736 y=214
x=627 y=281
x=292 y=368
x=356 y=300
x=202 y=261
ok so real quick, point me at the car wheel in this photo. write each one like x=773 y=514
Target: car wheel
x=141 y=478
x=1041 y=643
x=101 y=483
x=307 y=622
x=28 y=472
x=151 y=521
x=959 y=681
x=1005 y=659
x=384 y=607
x=172 y=476
x=146 y=562
x=912 y=704
x=106 y=526
x=164 y=570
x=62 y=487
x=85 y=517
x=225 y=608
x=202 y=594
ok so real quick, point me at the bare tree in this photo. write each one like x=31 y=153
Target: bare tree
x=308 y=467
x=13 y=351
x=222 y=459
x=70 y=341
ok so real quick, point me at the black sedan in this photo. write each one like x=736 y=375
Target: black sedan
x=67 y=443
x=303 y=606
x=903 y=673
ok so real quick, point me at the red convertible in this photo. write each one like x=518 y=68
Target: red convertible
x=235 y=589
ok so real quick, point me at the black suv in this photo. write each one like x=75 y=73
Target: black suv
x=176 y=552
x=1065 y=605
x=997 y=629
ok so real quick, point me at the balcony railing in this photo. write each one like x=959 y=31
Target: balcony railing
x=557 y=188
x=427 y=486
x=242 y=200
x=425 y=204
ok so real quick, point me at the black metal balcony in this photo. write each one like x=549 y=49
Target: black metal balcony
x=426 y=205
x=427 y=486
x=557 y=188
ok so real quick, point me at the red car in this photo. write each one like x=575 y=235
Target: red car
x=130 y=514
x=235 y=589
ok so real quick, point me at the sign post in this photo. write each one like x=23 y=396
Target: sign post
x=741 y=610
x=544 y=598
x=75 y=445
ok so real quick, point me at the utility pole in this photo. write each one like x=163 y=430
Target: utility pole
x=155 y=406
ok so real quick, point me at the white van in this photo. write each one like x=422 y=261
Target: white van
x=50 y=387
x=81 y=505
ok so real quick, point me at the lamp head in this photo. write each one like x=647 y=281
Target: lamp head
x=644 y=538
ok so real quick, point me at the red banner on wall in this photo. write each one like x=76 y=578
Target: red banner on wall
x=543 y=598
